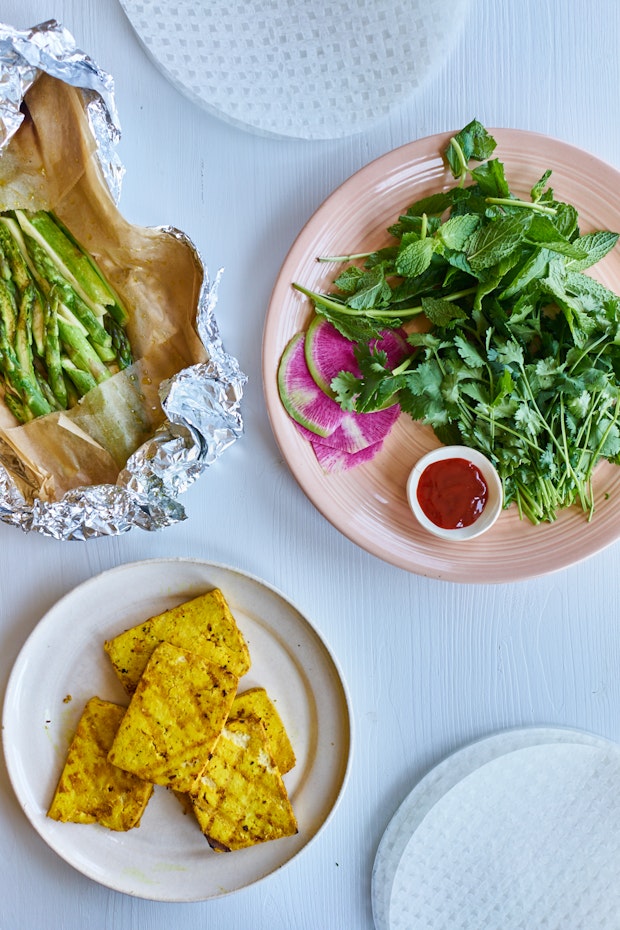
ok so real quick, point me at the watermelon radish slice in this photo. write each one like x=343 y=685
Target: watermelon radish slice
x=303 y=399
x=357 y=431
x=328 y=352
x=340 y=439
x=336 y=460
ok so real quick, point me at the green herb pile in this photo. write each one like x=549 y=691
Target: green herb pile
x=62 y=328
x=522 y=357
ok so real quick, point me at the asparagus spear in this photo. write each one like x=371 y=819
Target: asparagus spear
x=14 y=258
x=52 y=277
x=80 y=351
x=8 y=312
x=120 y=343
x=83 y=381
x=23 y=334
x=19 y=410
x=52 y=352
x=61 y=324
x=21 y=382
x=75 y=266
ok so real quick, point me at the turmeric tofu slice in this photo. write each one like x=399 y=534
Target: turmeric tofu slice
x=256 y=702
x=240 y=799
x=174 y=718
x=91 y=789
x=203 y=625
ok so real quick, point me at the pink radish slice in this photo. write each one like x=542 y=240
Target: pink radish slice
x=328 y=352
x=340 y=439
x=357 y=431
x=336 y=460
x=361 y=430
x=302 y=398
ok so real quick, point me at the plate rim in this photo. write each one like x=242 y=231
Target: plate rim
x=447 y=569
x=12 y=757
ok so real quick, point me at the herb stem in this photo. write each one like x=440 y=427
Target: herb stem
x=546 y=425
x=344 y=258
x=400 y=369
x=321 y=300
x=455 y=295
x=461 y=160
x=526 y=204
x=479 y=414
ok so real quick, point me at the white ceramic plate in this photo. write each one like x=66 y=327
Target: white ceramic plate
x=369 y=503
x=477 y=800
x=62 y=664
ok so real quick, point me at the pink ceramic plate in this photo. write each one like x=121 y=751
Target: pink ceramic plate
x=368 y=504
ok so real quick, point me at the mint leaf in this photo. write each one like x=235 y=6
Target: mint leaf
x=532 y=266
x=414 y=257
x=491 y=179
x=566 y=220
x=595 y=246
x=472 y=142
x=543 y=231
x=455 y=232
x=442 y=312
x=537 y=191
x=348 y=281
x=434 y=205
x=372 y=290
x=496 y=240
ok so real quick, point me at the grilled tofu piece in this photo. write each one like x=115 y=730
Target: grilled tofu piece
x=240 y=799
x=91 y=789
x=256 y=702
x=204 y=625
x=174 y=718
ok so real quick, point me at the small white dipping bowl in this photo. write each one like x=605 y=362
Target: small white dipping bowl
x=492 y=508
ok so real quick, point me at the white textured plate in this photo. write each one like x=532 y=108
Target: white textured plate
x=518 y=830
x=369 y=503
x=62 y=664
x=317 y=70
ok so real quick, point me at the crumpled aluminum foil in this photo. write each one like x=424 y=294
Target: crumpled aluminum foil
x=201 y=403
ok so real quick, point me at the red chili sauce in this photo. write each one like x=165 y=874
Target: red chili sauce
x=452 y=493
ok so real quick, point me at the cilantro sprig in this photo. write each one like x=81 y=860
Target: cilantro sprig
x=520 y=353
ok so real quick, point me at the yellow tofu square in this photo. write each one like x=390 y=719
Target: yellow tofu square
x=256 y=702
x=174 y=718
x=204 y=625
x=91 y=789
x=240 y=799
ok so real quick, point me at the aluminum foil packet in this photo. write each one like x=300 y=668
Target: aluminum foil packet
x=201 y=402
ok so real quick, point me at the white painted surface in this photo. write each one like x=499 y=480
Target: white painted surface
x=430 y=665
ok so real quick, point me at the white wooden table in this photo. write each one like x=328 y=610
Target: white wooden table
x=430 y=665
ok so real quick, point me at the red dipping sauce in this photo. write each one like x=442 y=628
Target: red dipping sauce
x=452 y=493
